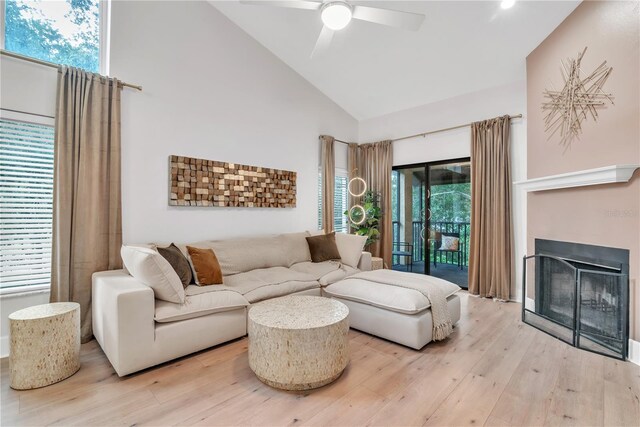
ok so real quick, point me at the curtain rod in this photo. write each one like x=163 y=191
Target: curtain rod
x=52 y=65
x=26 y=112
x=517 y=116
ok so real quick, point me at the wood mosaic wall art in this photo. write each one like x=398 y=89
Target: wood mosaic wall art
x=198 y=182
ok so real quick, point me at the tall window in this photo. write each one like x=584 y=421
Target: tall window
x=340 y=202
x=63 y=32
x=26 y=198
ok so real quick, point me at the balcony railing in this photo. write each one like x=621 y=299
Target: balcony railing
x=461 y=228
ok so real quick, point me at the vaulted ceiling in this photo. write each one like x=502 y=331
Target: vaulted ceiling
x=371 y=70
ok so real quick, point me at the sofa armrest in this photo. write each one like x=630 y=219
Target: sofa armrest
x=365 y=262
x=123 y=319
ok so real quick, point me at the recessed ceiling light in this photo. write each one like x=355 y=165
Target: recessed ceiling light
x=336 y=15
x=507 y=4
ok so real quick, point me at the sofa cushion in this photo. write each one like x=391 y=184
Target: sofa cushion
x=179 y=262
x=333 y=277
x=281 y=289
x=150 y=268
x=327 y=272
x=246 y=254
x=316 y=269
x=206 y=266
x=350 y=247
x=323 y=247
x=265 y=283
x=199 y=304
x=393 y=298
x=296 y=247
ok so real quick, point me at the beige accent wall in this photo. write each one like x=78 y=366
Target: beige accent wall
x=606 y=215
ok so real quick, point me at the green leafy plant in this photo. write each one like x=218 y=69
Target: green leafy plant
x=368 y=226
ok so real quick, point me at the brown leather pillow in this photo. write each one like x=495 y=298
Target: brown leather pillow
x=206 y=265
x=179 y=262
x=323 y=247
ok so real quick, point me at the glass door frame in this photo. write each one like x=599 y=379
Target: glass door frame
x=426 y=247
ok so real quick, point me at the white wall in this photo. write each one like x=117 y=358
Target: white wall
x=14 y=302
x=26 y=87
x=211 y=91
x=508 y=99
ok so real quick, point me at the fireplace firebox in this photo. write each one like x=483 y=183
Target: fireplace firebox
x=579 y=294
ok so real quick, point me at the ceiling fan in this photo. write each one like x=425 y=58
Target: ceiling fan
x=336 y=15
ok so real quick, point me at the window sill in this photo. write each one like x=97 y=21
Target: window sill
x=21 y=290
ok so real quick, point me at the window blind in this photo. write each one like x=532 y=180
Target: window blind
x=340 y=204
x=26 y=203
x=320 y=201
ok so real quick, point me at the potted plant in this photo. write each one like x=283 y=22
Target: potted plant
x=366 y=221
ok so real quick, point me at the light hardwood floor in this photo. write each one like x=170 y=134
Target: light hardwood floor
x=492 y=371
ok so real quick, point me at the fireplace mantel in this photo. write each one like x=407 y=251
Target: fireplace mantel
x=597 y=176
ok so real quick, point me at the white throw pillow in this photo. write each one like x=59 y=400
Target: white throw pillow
x=350 y=247
x=449 y=243
x=150 y=268
x=138 y=245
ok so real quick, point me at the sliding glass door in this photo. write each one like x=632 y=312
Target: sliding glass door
x=409 y=206
x=431 y=219
x=449 y=222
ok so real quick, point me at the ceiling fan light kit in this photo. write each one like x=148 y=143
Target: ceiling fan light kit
x=336 y=15
x=507 y=4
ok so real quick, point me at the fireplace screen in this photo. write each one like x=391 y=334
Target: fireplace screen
x=602 y=312
x=584 y=304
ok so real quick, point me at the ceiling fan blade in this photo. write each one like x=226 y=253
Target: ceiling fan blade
x=393 y=18
x=323 y=42
x=292 y=4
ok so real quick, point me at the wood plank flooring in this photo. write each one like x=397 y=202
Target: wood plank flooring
x=492 y=371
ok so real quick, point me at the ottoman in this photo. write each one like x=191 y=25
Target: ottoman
x=394 y=313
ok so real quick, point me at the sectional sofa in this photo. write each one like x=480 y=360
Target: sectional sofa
x=142 y=318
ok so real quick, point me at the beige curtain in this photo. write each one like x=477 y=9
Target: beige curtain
x=328 y=181
x=374 y=163
x=87 y=213
x=491 y=255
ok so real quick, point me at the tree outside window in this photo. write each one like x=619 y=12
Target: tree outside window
x=62 y=32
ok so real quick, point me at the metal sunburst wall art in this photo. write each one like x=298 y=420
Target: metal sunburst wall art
x=580 y=98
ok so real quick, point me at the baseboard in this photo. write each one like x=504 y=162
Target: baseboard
x=634 y=352
x=530 y=304
x=4 y=347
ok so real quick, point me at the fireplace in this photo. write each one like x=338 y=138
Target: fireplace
x=580 y=294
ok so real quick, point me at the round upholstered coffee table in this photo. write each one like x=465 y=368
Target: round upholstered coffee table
x=298 y=342
x=45 y=344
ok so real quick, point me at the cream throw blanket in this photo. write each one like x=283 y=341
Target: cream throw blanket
x=431 y=287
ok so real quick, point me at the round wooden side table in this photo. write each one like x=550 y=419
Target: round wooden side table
x=298 y=342
x=45 y=344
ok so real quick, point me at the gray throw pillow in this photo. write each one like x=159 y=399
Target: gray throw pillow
x=323 y=247
x=179 y=262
